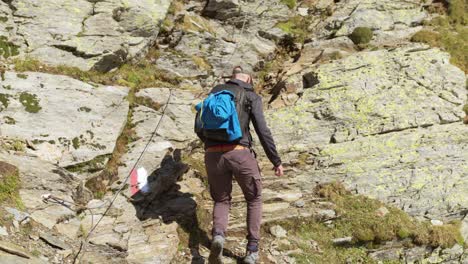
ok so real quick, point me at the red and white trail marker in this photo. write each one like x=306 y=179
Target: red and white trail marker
x=139 y=181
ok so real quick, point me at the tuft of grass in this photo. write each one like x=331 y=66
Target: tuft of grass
x=4 y=101
x=458 y=12
x=361 y=35
x=9 y=185
x=17 y=145
x=449 y=32
x=427 y=36
x=138 y=75
x=296 y=26
x=201 y=63
x=291 y=4
x=30 y=102
x=196 y=24
x=332 y=190
x=7 y=49
x=444 y=236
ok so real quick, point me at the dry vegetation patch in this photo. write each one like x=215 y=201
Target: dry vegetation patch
x=360 y=217
x=9 y=185
x=450 y=32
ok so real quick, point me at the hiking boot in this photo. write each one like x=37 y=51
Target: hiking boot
x=216 y=253
x=251 y=257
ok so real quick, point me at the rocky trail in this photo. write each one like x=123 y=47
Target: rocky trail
x=366 y=100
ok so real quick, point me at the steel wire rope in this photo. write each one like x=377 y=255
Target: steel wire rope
x=85 y=241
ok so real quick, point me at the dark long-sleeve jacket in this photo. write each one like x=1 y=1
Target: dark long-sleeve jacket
x=256 y=116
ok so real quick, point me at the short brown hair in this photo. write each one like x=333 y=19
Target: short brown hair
x=236 y=70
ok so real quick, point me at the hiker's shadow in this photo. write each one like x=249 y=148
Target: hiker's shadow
x=165 y=201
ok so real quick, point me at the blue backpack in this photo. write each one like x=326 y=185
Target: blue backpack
x=218 y=116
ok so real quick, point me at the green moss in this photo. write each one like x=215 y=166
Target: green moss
x=84 y=109
x=403 y=233
x=22 y=76
x=4 y=100
x=3 y=19
x=7 y=87
x=290 y=3
x=97 y=146
x=465 y=109
x=7 y=49
x=361 y=35
x=9 y=120
x=91 y=166
x=99 y=194
x=30 y=102
x=17 y=145
x=76 y=143
x=9 y=185
x=336 y=55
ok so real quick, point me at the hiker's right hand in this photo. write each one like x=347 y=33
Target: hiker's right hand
x=279 y=171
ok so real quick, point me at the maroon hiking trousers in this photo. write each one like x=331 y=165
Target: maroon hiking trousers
x=221 y=166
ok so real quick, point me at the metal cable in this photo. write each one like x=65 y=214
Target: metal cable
x=85 y=241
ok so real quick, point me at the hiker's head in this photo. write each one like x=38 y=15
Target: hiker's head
x=238 y=73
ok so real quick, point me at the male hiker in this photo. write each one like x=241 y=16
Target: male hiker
x=225 y=159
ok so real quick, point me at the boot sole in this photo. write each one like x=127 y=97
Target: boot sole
x=215 y=254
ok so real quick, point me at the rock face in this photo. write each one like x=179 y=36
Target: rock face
x=389 y=20
x=371 y=93
x=411 y=169
x=385 y=124
x=236 y=36
x=384 y=119
x=66 y=120
x=98 y=35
